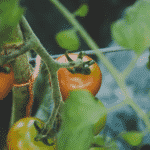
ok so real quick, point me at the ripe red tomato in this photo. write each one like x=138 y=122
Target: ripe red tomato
x=69 y=81
x=21 y=136
x=6 y=81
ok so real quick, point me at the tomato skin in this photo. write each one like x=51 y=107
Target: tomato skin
x=69 y=81
x=6 y=82
x=21 y=136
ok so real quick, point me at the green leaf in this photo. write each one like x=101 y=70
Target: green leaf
x=110 y=144
x=117 y=30
x=10 y=15
x=131 y=13
x=68 y=39
x=79 y=138
x=79 y=114
x=99 y=140
x=133 y=31
x=82 y=11
x=82 y=108
x=132 y=138
x=98 y=148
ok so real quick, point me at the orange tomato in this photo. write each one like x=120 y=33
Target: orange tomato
x=69 y=81
x=6 y=81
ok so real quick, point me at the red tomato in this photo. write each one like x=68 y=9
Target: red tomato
x=6 y=81
x=21 y=136
x=69 y=81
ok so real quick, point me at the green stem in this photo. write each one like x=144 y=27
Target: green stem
x=19 y=103
x=129 y=101
x=130 y=67
x=148 y=63
x=149 y=57
x=52 y=67
x=22 y=72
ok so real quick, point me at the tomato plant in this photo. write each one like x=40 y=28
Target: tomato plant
x=69 y=81
x=21 y=136
x=6 y=80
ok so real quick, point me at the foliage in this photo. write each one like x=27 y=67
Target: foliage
x=10 y=14
x=133 y=31
x=82 y=11
x=68 y=39
x=79 y=114
x=133 y=138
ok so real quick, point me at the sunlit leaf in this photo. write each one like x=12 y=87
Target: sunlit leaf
x=79 y=138
x=99 y=140
x=98 y=148
x=68 y=39
x=132 y=138
x=82 y=11
x=104 y=146
x=79 y=114
x=133 y=31
x=131 y=13
x=81 y=107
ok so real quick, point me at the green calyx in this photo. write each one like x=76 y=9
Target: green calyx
x=5 y=69
x=82 y=69
x=42 y=134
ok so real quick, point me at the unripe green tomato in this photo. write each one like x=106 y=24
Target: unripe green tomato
x=21 y=136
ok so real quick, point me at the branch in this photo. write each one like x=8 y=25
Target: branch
x=19 y=50
x=52 y=67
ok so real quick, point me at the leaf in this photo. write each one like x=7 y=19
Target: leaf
x=99 y=140
x=82 y=108
x=132 y=138
x=117 y=30
x=79 y=138
x=133 y=31
x=98 y=148
x=82 y=11
x=131 y=13
x=79 y=114
x=68 y=39
x=10 y=14
x=106 y=146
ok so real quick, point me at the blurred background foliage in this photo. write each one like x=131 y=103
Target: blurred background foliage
x=46 y=21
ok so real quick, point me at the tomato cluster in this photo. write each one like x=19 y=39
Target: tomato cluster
x=22 y=134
